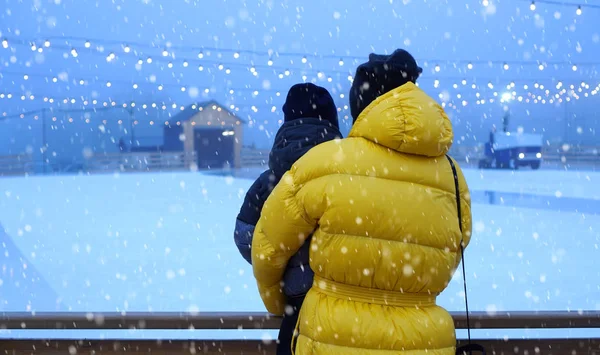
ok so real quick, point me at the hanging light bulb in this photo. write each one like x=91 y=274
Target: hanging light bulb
x=126 y=49
x=135 y=86
x=437 y=68
x=236 y=55
x=200 y=55
x=220 y=67
x=140 y=62
x=149 y=60
x=532 y=6
x=304 y=60
x=227 y=71
x=574 y=67
x=33 y=47
x=270 y=62
x=165 y=53
x=183 y=88
x=485 y=3
x=541 y=66
x=506 y=66
x=25 y=77
x=108 y=84
x=87 y=44
x=185 y=63
x=287 y=72
x=341 y=62
x=74 y=53
x=470 y=66
x=46 y=43
x=578 y=11
x=200 y=68
x=4 y=43
x=160 y=87
x=170 y=65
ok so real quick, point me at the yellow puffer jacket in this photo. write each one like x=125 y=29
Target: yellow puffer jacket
x=382 y=206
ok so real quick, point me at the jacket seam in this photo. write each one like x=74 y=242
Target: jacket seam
x=393 y=241
x=375 y=177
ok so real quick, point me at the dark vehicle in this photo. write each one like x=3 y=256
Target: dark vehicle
x=510 y=150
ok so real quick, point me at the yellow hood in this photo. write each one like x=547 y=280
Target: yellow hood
x=406 y=120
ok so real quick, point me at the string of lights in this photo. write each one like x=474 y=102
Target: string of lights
x=545 y=96
x=169 y=56
x=106 y=106
x=578 y=7
x=455 y=82
x=534 y=90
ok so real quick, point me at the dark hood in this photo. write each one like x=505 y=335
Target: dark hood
x=297 y=137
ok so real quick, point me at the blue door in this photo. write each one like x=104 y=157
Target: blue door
x=214 y=147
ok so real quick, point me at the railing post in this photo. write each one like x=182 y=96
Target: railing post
x=44 y=141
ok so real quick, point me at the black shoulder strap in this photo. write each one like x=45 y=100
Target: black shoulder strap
x=462 y=247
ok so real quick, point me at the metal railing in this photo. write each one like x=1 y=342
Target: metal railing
x=246 y=321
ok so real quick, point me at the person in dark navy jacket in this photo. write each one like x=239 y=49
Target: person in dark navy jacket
x=310 y=118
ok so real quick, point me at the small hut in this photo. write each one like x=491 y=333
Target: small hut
x=208 y=129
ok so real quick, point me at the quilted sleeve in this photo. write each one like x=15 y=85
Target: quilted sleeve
x=243 y=238
x=281 y=231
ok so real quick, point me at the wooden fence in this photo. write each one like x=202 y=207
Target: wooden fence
x=140 y=162
x=555 y=155
x=245 y=321
x=18 y=164
x=254 y=157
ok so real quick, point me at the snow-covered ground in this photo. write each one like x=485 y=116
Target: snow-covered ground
x=164 y=242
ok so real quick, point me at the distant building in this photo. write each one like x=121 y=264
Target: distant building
x=210 y=130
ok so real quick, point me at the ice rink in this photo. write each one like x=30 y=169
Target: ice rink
x=164 y=242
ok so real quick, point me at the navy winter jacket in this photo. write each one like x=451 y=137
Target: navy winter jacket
x=292 y=141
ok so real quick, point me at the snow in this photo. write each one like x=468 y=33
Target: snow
x=164 y=242
x=577 y=184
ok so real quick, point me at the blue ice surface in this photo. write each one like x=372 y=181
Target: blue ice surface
x=164 y=242
x=527 y=200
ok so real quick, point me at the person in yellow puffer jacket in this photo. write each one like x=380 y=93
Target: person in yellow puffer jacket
x=382 y=209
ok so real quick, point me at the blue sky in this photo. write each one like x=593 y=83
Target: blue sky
x=444 y=35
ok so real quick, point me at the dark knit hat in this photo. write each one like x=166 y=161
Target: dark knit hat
x=308 y=100
x=381 y=74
